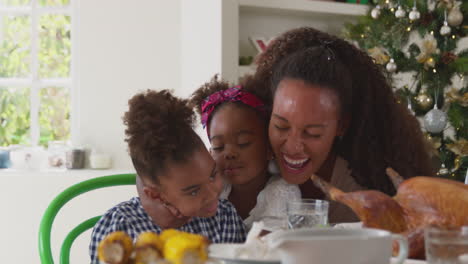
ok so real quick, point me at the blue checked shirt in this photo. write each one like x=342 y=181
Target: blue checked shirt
x=224 y=227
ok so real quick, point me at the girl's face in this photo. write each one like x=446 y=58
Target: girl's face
x=303 y=127
x=193 y=187
x=239 y=144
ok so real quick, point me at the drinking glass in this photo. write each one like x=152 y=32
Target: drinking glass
x=306 y=213
x=448 y=246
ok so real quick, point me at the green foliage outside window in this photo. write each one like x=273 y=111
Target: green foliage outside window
x=54 y=57
x=14 y=116
x=54 y=115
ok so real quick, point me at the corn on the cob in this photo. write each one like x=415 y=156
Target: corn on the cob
x=115 y=248
x=186 y=248
x=175 y=246
x=168 y=233
x=148 y=248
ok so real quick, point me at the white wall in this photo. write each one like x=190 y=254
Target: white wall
x=24 y=198
x=124 y=47
x=201 y=54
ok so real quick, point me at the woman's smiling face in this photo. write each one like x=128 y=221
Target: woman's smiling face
x=303 y=128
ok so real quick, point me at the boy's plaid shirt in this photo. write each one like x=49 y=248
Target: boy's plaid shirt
x=225 y=227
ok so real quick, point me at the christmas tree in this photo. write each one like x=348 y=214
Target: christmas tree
x=422 y=46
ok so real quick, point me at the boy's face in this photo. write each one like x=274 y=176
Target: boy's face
x=239 y=144
x=193 y=187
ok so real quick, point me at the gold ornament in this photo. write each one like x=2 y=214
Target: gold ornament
x=379 y=55
x=453 y=95
x=424 y=100
x=456 y=164
x=434 y=143
x=459 y=147
x=448 y=4
x=428 y=49
x=455 y=16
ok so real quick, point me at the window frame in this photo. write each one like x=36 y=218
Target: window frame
x=34 y=83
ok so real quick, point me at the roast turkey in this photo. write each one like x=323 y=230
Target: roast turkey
x=419 y=202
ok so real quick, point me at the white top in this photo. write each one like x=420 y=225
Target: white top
x=271 y=203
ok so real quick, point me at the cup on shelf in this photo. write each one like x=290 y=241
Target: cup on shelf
x=28 y=158
x=75 y=158
x=99 y=160
x=4 y=158
x=56 y=154
x=448 y=246
x=306 y=213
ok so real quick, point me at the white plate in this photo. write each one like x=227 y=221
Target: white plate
x=410 y=261
x=226 y=253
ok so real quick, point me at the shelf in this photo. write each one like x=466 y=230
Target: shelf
x=246 y=70
x=85 y=173
x=308 y=6
x=219 y=32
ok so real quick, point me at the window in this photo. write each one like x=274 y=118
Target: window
x=36 y=71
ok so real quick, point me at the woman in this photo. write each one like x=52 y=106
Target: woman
x=335 y=115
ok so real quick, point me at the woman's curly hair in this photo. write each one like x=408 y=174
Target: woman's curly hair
x=381 y=134
x=159 y=130
x=216 y=84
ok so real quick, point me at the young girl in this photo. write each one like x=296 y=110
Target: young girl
x=178 y=182
x=236 y=121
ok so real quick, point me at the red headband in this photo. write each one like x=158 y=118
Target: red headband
x=233 y=94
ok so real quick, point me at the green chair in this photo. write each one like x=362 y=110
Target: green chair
x=45 y=251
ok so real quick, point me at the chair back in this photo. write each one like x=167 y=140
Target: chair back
x=45 y=251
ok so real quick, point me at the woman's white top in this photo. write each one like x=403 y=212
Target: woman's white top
x=271 y=201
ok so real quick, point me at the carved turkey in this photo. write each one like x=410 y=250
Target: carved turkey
x=419 y=202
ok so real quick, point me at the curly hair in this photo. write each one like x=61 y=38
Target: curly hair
x=381 y=134
x=215 y=85
x=159 y=130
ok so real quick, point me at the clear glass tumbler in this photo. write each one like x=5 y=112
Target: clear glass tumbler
x=447 y=246
x=307 y=213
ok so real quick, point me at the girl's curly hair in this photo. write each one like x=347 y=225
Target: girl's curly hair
x=215 y=85
x=207 y=89
x=159 y=130
x=381 y=134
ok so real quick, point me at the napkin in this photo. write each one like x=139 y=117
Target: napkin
x=256 y=246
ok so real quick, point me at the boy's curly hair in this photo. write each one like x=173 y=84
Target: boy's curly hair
x=216 y=84
x=159 y=130
x=381 y=134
